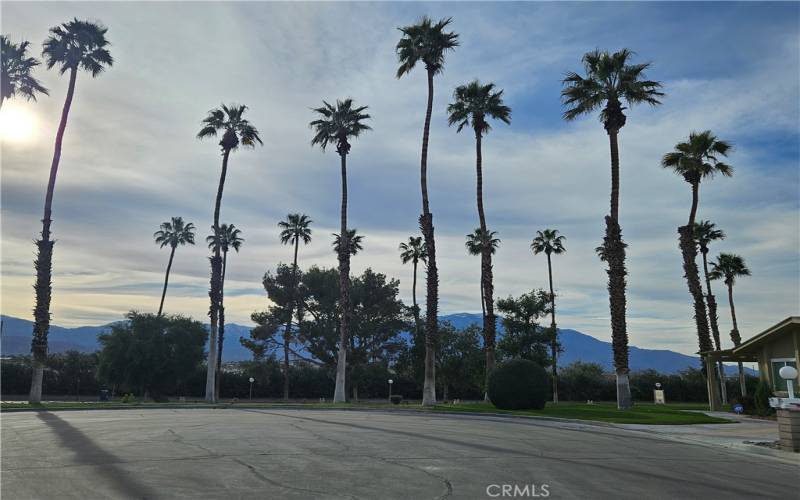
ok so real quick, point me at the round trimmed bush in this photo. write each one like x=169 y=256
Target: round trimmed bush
x=518 y=384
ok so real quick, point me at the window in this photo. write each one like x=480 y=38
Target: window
x=779 y=384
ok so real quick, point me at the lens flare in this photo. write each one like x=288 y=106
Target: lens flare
x=16 y=124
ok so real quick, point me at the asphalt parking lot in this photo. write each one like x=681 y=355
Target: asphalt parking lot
x=304 y=454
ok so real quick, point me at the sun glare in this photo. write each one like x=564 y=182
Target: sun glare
x=16 y=124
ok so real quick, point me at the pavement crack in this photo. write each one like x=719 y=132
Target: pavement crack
x=266 y=479
x=448 y=491
x=180 y=439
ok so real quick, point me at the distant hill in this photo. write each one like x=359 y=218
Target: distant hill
x=16 y=340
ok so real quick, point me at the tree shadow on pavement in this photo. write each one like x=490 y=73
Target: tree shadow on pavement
x=87 y=452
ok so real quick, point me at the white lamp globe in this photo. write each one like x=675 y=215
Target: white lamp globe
x=788 y=372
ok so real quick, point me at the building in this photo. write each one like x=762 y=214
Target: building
x=772 y=349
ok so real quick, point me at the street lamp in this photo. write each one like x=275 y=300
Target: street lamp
x=390 y=388
x=251 y=387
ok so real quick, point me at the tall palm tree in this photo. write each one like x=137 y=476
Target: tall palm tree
x=550 y=242
x=611 y=79
x=427 y=42
x=475 y=245
x=473 y=105
x=15 y=71
x=695 y=160
x=173 y=233
x=236 y=130
x=354 y=242
x=337 y=124
x=729 y=267
x=228 y=237
x=72 y=46
x=414 y=252
x=294 y=229
x=705 y=232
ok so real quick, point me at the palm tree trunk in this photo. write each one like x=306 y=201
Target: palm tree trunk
x=736 y=338
x=221 y=333
x=487 y=287
x=432 y=299
x=713 y=321
x=166 y=281
x=554 y=344
x=44 y=258
x=689 y=252
x=340 y=394
x=615 y=257
x=287 y=332
x=215 y=292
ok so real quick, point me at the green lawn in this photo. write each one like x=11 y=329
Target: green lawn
x=642 y=413
x=604 y=412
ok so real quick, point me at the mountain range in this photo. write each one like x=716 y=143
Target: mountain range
x=16 y=340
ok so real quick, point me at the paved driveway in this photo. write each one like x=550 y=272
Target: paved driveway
x=304 y=454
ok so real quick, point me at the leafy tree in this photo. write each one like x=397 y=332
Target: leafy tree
x=550 y=242
x=172 y=233
x=427 y=42
x=474 y=245
x=228 y=238
x=728 y=267
x=705 y=232
x=473 y=105
x=71 y=46
x=524 y=337
x=236 y=130
x=15 y=74
x=151 y=355
x=695 y=160
x=294 y=229
x=460 y=361
x=337 y=124
x=414 y=252
x=611 y=79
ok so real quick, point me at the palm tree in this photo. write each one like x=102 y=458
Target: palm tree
x=474 y=246
x=235 y=131
x=293 y=230
x=705 y=232
x=228 y=237
x=729 y=267
x=337 y=124
x=550 y=242
x=414 y=252
x=15 y=75
x=173 y=233
x=72 y=46
x=474 y=105
x=354 y=242
x=695 y=160
x=610 y=79
x=428 y=43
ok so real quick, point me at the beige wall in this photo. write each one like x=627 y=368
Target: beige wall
x=785 y=345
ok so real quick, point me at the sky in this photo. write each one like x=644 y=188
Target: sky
x=131 y=159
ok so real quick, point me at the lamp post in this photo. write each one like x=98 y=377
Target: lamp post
x=251 y=387
x=789 y=373
x=390 y=389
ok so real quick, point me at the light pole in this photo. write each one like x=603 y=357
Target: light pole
x=788 y=373
x=390 y=389
x=251 y=387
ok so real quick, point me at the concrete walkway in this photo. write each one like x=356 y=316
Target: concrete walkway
x=742 y=435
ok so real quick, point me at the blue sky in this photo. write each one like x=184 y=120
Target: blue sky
x=131 y=160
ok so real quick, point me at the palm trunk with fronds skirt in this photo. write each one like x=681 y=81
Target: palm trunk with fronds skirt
x=44 y=259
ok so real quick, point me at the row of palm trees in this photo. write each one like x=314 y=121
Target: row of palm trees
x=610 y=84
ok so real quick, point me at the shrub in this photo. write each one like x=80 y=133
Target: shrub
x=396 y=399
x=761 y=398
x=518 y=384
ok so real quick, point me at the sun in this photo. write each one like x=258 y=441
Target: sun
x=16 y=124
